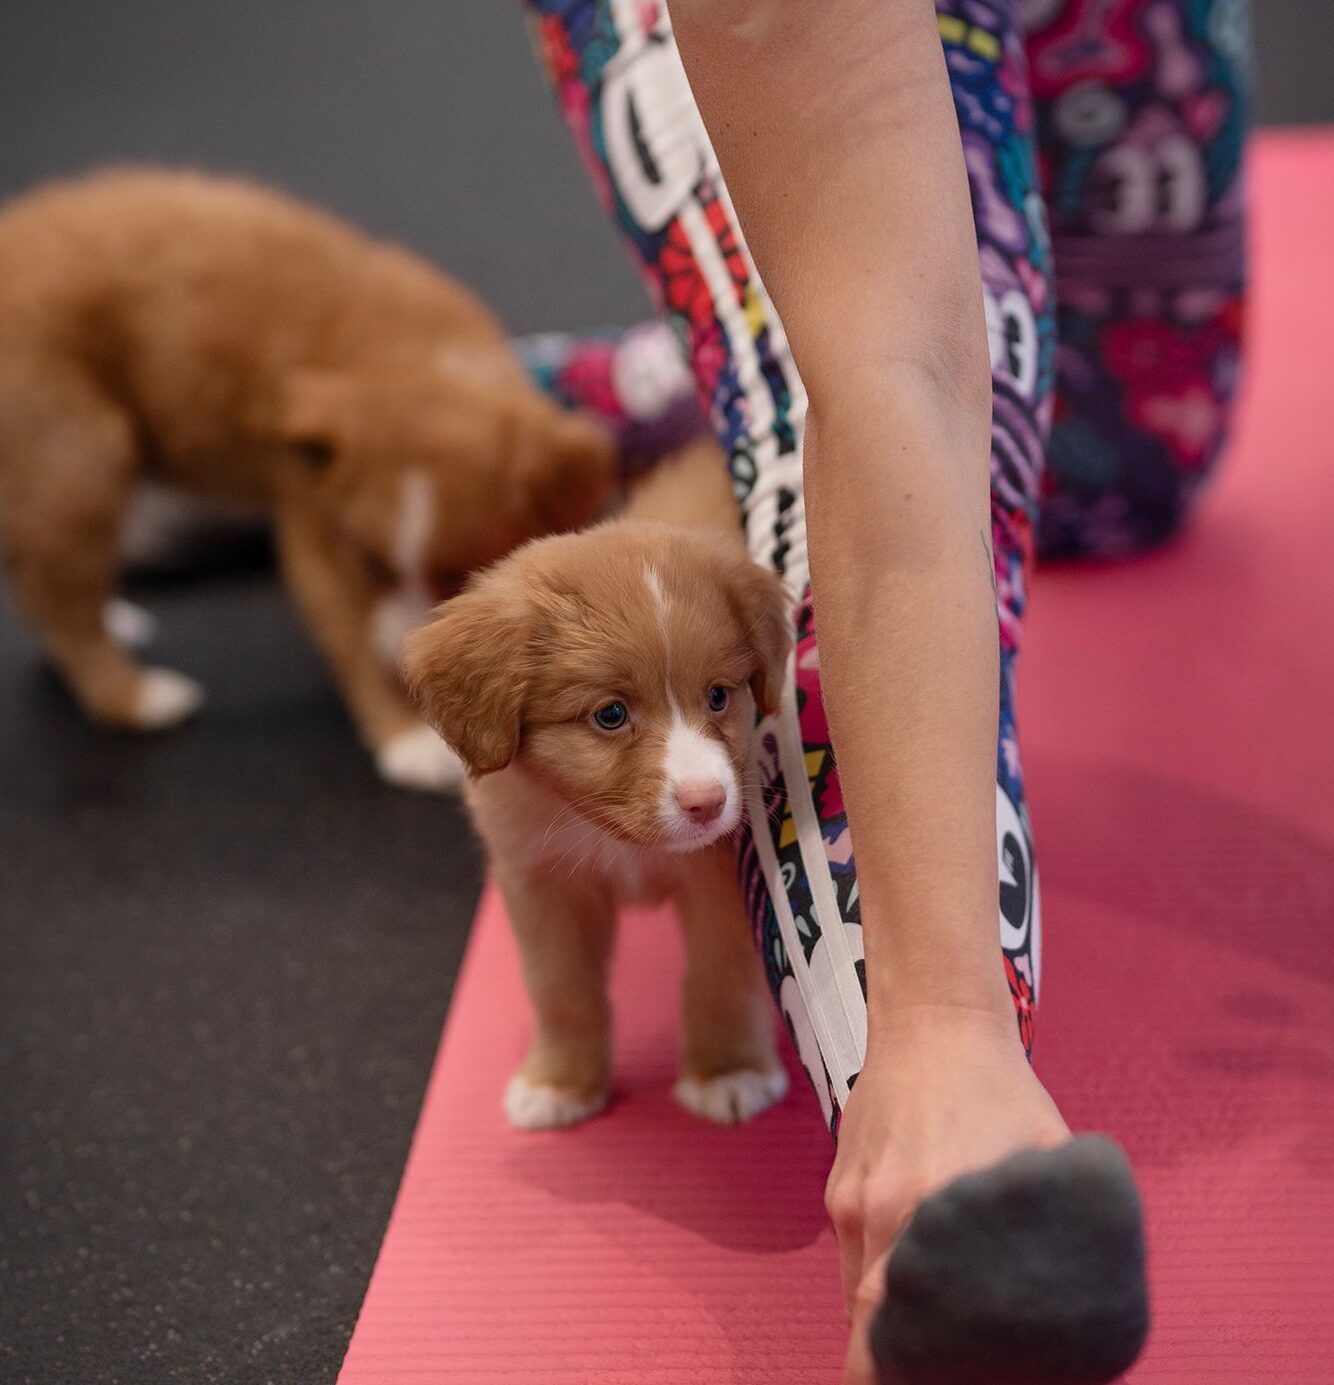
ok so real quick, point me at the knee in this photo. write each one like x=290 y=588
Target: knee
x=1112 y=491
x=1144 y=414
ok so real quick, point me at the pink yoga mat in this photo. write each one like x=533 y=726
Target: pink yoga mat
x=1178 y=721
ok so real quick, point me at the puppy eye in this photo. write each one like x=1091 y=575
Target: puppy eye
x=718 y=696
x=611 y=717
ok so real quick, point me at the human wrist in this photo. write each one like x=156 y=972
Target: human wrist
x=926 y=1008
x=918 y=1043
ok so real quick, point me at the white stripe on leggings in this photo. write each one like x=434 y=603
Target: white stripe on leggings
x=784 y=472
x=817 y=1013
x=850 y=1041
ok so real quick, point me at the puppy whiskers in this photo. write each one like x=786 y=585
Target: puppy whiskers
x=590 y=830
x=570 y=811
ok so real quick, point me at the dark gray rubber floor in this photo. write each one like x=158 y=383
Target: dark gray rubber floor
x=225 y=955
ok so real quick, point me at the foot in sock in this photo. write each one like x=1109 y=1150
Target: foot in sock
x=1027 y=1273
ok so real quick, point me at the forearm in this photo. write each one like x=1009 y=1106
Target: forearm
x=835 y=130
x=905 y=613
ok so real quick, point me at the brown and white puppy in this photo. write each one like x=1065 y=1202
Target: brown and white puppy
x=601 y=688
x=213 y=336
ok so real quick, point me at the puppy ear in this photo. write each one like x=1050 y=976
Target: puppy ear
x=465 y=671
x=764 y=609
x=567 y=460
x=312 y=414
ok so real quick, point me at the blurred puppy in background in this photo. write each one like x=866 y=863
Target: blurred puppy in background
x=208 y=334
x=601 y=689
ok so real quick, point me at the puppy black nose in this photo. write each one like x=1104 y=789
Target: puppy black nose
x=701 y=802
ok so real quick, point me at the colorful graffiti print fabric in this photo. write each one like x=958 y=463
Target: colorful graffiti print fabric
x=623 y=94
x=1142 y=110
x=635 y=379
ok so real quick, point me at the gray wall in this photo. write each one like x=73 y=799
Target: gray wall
x=425 y=120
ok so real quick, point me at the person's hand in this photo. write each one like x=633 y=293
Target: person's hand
x=943 y=1092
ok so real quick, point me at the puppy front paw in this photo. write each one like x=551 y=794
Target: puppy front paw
x=734 y=1096
x=534 y=1106
x=419 y=759
x=164 y=698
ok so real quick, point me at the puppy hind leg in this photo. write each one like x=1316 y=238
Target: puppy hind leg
x=64 y=498
x=730 y=1069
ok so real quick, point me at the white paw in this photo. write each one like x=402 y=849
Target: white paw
x=532 y=1107
x=166 y=698
x=419 y=759
x=129 y=624
x=734 y=1096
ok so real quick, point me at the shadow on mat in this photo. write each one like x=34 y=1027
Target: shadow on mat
x=1157 y=848
x=757 y=1188
x=1188 y=1003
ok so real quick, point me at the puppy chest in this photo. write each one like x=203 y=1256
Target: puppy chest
x=628 y=873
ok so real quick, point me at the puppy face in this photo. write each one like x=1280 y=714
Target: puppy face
x=620 y=667
x=434 y=473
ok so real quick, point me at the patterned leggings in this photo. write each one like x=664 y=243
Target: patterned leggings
x=1103 y=141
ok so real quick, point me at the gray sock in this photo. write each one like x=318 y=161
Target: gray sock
x=1028 y=1273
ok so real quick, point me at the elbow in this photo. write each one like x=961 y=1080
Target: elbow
x=927 y=344
x=924 y=403
x=941 y=390
x=963 y=372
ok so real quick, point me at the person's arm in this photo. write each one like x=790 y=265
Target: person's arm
x=836 y=133
x=837 y=137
